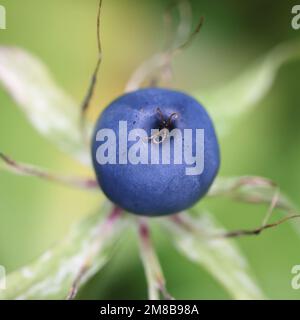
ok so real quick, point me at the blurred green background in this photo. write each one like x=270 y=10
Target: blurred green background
x=34 y=214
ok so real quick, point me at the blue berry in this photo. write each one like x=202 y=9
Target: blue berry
x=154 y=188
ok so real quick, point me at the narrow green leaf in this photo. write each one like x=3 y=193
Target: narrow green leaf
x=218 y=256
x=251 y=189
x=52 y=275
x=153 y=271
x=9 y=164
x=52 y=113
x=234 y=99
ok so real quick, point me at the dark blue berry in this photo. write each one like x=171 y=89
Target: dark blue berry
x=156 y=189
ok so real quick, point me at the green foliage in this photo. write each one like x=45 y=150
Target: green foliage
x=51 y=276
x=228 y=103
x=197 y=240
x=55 y=115
x=52 y=112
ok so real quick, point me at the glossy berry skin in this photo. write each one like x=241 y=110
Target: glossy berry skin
x=156 y=189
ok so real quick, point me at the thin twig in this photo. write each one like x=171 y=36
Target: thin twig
x=86 y=102
x=30 y=170
x=170 y=54
x=159 y=65
x=192 y=227
x=190 y=39
x=272 y=206
x=98 y=27
x=256 y=231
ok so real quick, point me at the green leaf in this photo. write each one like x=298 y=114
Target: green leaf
x=52 y=275
x=234 y=99
x=52 y=112
x=251 y=189
x=153 y=271
x=9 y=164
x=218 y=256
